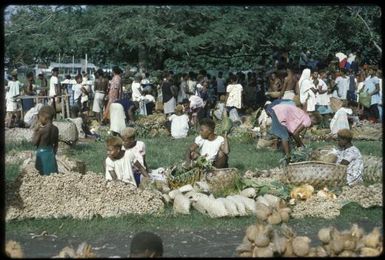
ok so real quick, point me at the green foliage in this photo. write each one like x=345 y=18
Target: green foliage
x=189 y=37
x=262 y=187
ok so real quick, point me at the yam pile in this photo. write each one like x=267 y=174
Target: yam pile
x=80 y=196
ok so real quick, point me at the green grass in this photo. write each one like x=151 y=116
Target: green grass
x=164 y=152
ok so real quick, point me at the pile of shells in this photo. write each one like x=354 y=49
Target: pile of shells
x=372 y=169
x=68 y=133
x=349 y=243
x=316 y=206
x=80 y=196
x=18 y=134
x=365 y=196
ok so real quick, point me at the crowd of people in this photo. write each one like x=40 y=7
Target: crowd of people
x=294 y=99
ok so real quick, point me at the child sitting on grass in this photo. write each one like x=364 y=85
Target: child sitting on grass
x=349 y=155
x=118 y=164
x=214 y=148
x=46 y=139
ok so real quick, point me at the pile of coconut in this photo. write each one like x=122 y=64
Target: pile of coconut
x=266 y=240
x=76 y=195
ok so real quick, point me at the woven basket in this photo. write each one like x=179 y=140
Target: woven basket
x=189 y=177
x=317 y=174
x=221 y=179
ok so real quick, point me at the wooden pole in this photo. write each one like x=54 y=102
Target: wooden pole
x=62 y=107
x=67 y=106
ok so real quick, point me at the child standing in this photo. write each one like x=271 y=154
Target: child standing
x=349 y=155
x=179 y=123
x=46 y=139
x=137 y=149
x=118 y=163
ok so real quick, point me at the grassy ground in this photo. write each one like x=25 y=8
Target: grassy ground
x=163 y=152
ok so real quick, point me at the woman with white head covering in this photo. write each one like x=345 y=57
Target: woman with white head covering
x=307 y=91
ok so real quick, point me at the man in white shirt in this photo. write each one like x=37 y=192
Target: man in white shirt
x=342 y=85
x=13 y=106
x=214 y=148
x=54 y=88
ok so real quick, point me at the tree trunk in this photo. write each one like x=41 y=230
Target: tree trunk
x=142 y=57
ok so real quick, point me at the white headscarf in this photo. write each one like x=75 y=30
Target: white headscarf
x=341 y=56
x=305 y=75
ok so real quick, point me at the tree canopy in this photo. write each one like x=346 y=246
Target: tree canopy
x=189 y=37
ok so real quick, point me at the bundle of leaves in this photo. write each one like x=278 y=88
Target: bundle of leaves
x=301 y=154
x=265 y=186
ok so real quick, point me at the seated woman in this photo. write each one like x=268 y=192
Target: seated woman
x=349 y=155
x=214 y=148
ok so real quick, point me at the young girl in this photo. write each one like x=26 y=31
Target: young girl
x=137 y=149
x=118 y=163
x=214 y=148
x=46 y=139
x=349 y=155
x=179 y=123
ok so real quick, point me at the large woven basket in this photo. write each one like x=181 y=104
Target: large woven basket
x=222 y=179
x=317 y=174
x=189 y=177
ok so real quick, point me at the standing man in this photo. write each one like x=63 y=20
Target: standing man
x=54 y=88
x=101 y=86
x=13 y=107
